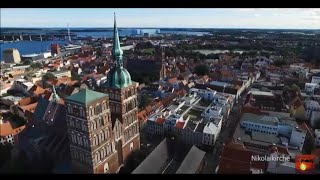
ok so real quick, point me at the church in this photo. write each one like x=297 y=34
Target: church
x=103 y=126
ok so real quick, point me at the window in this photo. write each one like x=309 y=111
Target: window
x=69 y=108
x=79 y=140
x=98 y=109
x=75 y=111
x=73 y=138
x=81 y=112
x=102 y=154
x=131 y=146
x=108 y=149
x=106 y=167
x=83 y=126
x=106 y=133
x=81 y=157
x=76 y=155
x=85 y=142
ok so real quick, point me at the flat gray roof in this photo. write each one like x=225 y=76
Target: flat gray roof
x=260 y=119
x=192 y=161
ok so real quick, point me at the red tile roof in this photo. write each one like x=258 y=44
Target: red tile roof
x=172 y=80
x=26 y=101
x=180 y=124
x=7 y=129
x=160 y=120
x=29 y=107
x=149 y=109
x=102 y=70
x=236 y=159
x=142 y=115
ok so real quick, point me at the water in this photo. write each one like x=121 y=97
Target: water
x=29 y=47
x=206 y=52
x=109 y=34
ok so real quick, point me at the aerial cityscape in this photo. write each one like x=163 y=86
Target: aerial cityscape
x=160 y=91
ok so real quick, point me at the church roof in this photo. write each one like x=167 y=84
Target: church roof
x=86 y=96
x=118 y=77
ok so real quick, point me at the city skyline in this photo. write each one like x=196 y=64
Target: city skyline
x=259 y=18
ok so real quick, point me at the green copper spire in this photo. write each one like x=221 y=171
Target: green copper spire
x=116 y=51
x=55 y=96
x=118 y=77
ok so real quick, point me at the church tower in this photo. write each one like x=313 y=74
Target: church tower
x=92 y=146
x=123 y=103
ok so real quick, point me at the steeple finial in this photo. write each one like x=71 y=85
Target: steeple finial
x=55 y=96
x=116 y=51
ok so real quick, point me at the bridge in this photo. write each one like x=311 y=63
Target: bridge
x=34 y=37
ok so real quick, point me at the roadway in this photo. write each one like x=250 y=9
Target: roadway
x=226 y=134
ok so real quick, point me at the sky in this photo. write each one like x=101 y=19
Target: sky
x=268 y=18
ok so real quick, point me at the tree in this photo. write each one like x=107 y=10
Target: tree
x=27 y=62
x=48 y=76
x=144 y=45
x=202 y=69
x=280 y=63
x=311 y=54
x=144 y=101
x=36 y=65
x=75 y=76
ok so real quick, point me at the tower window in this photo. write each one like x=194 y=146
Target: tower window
x=106 y=167
x=131 y=146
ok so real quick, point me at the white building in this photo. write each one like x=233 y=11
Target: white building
x=11 y=56
x=285 y=128
x=213 y=112
x=210 y=133
x=297 y=138
x=62 y=73
x=192 y=133
x=170 y=122
x=310 y=87
x=207 y=94
x=315 y=80
x=312 y=113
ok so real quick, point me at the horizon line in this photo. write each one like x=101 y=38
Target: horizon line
x=167 y=28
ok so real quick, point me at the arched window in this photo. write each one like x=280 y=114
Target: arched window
x=105 y=134
x=94 y=142
x=92 y=111
x=94 y=125
x=102 y=154
x=108 y=149
x=134 y=129
x=83 y=126
x=85 y=142
x=69 y=108
x=101 y=137
x=73 y=138
x=76 y=155
x=106 y=167
x=79 y=140
x=126 y=136
x=81 y=157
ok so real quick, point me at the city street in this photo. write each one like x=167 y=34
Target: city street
x=225 y=134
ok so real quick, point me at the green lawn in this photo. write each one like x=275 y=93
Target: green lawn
x=148 y=51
